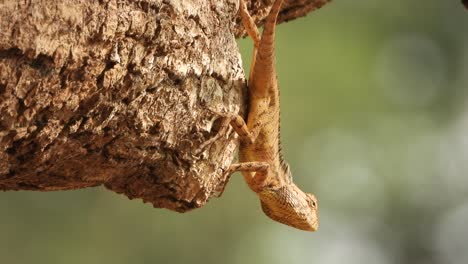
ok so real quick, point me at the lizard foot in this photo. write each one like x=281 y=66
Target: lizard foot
x=225 y=121
x=228 y=119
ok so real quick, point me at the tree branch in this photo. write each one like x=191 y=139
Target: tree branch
x=118 y=93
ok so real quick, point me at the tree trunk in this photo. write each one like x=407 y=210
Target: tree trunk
x=119 y=93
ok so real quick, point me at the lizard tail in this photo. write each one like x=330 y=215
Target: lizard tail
x=265 y=58
x=268 y=34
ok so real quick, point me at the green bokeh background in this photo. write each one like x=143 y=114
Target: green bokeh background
x=374 y=122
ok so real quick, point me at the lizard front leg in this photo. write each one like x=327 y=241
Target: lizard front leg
x=257 y=172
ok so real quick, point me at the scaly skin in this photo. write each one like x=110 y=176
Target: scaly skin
x=260 y=159
x=280 y=198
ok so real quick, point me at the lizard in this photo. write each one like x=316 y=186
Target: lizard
x=260 y=158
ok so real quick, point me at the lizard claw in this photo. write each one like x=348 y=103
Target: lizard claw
x=226 y=119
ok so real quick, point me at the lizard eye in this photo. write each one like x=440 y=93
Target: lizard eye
x=313 y=203
x=312 y=200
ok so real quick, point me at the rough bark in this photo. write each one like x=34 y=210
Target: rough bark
x=117 y=93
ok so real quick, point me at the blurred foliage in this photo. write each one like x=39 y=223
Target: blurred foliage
x=374 y=121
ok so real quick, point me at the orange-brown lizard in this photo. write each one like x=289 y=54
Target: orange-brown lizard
x=260 y=159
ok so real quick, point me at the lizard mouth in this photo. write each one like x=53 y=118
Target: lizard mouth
x=315 y=226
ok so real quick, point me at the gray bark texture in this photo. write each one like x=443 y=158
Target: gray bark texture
x=119 y=93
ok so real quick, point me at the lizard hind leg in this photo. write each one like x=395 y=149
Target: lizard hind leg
x=237 y=123
x=249 y=23
x=221 y=131
x=252 y=30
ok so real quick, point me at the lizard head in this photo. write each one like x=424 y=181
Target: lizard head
x=290 y=206
x=313 y=206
